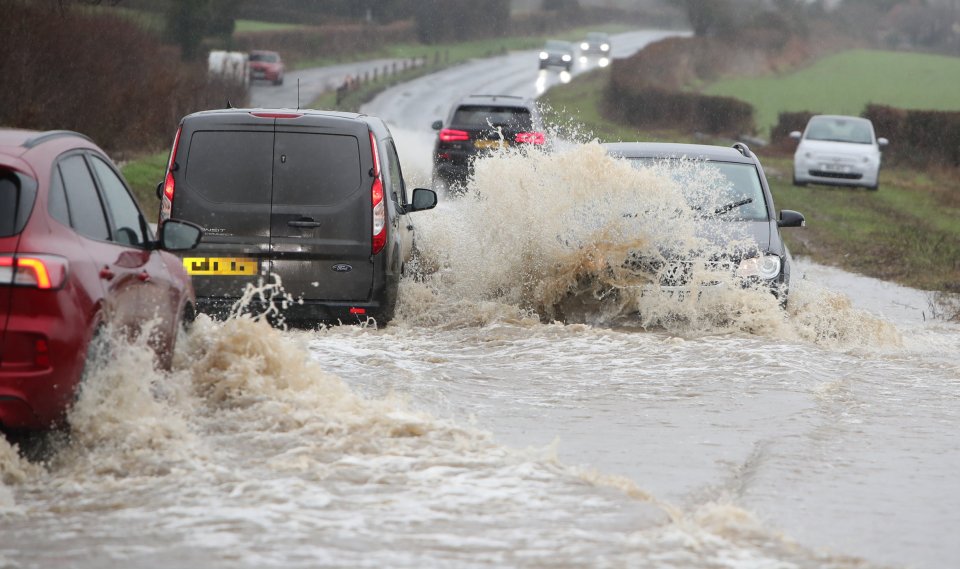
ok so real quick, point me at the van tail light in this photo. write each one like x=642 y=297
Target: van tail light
x=530 y=138
x=169 y=184
x=46 y=272
x=376 y=199
x=454 y=135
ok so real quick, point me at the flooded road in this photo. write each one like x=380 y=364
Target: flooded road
x=477 y=431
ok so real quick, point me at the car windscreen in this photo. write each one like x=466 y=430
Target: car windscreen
x=268 y=57
x=231 y=166
x=17 y=194
x=725 y=190
x=557 y=46
x=853 y=130
x=483 y=116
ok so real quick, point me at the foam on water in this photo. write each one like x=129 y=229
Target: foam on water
x=545 y=235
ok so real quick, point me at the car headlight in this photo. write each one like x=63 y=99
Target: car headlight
x=584 y=45
x=765 y=267
x=544 y=55
x=566 y=57
x=605 y=47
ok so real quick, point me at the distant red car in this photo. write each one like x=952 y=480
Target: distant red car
x=266 y=65
x=76 y=254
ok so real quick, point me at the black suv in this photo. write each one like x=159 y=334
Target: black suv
x=314 y=198
x=746 y=209
x=480 y=123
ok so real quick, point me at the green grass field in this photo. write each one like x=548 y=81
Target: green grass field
x=846 y=82
x=242 y=26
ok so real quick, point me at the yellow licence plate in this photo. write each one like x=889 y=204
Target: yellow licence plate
x=221 y=266
x=487 y=144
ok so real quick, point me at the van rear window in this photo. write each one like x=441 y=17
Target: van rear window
x=316 y=169
x=16 y=200
x=231 y=166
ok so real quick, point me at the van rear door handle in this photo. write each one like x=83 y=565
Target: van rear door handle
x=303 y=222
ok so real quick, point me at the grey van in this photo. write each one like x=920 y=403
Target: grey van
x=315 y=198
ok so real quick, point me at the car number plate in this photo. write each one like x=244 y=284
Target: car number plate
x=490 y=144
x=836 y=168
x=235 y=266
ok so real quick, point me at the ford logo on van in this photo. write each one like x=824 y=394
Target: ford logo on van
x=342 y=268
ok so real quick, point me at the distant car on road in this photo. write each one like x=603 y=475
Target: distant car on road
x=746 y=208
x=838 y=151
x=76 y=255
x=266 y=66
x=315 y=199
x=557 y=53
x=596 y=44
x=477 y=124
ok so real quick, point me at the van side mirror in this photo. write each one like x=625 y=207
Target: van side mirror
x=176 y=235
x=422 y=199
x=790 y=218
x=437 y=125
x=882 y=142
x=796 y=135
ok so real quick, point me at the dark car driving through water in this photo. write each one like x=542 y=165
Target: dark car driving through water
x=747 y=242
x=478 y=124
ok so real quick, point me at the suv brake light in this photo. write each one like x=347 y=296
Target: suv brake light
x=169 y=185
x=45 y=272
x=376 y=199
x=530 y=138
x=453 y=135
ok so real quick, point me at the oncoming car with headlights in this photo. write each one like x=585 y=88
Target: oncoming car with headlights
x=745 y=211
x=557 y=53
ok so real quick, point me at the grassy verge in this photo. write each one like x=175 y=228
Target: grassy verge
x=846 y=82
x=907 y=232
x=143 y=174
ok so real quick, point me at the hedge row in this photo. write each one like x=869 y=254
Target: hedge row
x=917 y=138
x=327 y=41
x=652 y=108
x=98 y=74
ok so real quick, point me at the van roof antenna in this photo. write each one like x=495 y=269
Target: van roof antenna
x=229 y=106
x=298 y=93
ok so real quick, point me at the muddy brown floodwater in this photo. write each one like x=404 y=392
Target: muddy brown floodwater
x=476 y=432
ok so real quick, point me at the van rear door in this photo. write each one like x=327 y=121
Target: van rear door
x=321 y=220
x=225 y=186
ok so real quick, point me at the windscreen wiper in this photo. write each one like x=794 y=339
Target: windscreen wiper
x=732 y=206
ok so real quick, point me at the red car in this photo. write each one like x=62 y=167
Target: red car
x=76 y=254
x=266 y=65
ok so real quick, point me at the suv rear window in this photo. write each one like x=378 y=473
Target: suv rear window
x=16 y=200
x=480 y=116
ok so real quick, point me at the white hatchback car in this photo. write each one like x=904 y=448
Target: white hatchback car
x=838 y=151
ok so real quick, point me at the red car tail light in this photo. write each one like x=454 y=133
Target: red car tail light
x=376 y=198
x=530 y=138
x=47 y=272
x=453 y=135
x=169 y=184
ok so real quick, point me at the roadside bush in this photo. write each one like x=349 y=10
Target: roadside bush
x=98 y=74
x=652 y=108
x=918 y=138
x=787 y=123
x=327 y=41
